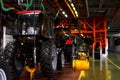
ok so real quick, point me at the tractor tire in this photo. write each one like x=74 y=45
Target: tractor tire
x=10 y=57
x=68 y=54
x=60 y=61
x=4 y=70
x=48 y=60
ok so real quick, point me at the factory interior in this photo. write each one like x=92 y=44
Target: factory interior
x=59 y=39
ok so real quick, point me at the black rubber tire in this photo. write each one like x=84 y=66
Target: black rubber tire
x=68 y=53
x=48 y=59
x=4 y=70
x=60 y=61
x=10 y=57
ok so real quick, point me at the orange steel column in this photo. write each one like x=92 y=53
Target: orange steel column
x=96 y=28
x=94 y=34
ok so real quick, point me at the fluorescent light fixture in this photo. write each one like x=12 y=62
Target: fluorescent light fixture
x=77 y=15
x=74 y=8
x=76 y=29
x=63 y=12
x=66 y=15
x=75 y=12
x=82 y=35
x=70 y=0
x=72 y=4
x=108 y=27
x=60 y=9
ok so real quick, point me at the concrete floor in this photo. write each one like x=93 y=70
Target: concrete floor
x=101 y=70
x=104 y=69
x=66 y=74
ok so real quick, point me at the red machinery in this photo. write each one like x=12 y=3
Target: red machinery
x=93 y=27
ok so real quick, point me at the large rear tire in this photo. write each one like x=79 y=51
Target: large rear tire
x=48 y=59
x=68 y=53
x=4 y=70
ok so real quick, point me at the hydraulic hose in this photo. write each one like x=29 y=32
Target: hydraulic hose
x=43 y=8
x=3 y=8
x=29 y=4
x=57 y=14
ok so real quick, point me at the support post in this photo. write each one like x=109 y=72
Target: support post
x=101 y=56
x=4 y=37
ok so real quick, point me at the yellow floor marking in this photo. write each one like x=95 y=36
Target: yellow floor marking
x=117 y=66
x=82 y=74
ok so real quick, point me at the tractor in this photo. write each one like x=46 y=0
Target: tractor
x=81 y=53
x=64 y=43
x=33 y=44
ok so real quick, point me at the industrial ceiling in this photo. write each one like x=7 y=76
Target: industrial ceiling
x=62 y=9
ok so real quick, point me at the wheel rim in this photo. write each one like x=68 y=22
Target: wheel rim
x=2 y=75
x=63 y=59
x=54 y=57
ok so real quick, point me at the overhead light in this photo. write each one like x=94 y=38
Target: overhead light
x=70 y=0
x=101 y=11
x=75 y=12
x=76 y=29
x=108 y=27
x=60 y=9
x=70 y=7
x=77 y=15
x=72 y=4
x=82 y=35
x=63 y=12
x=66 y=15
x=74 y=8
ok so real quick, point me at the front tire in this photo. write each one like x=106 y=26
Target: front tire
x=60 y=61
x=48 y=59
